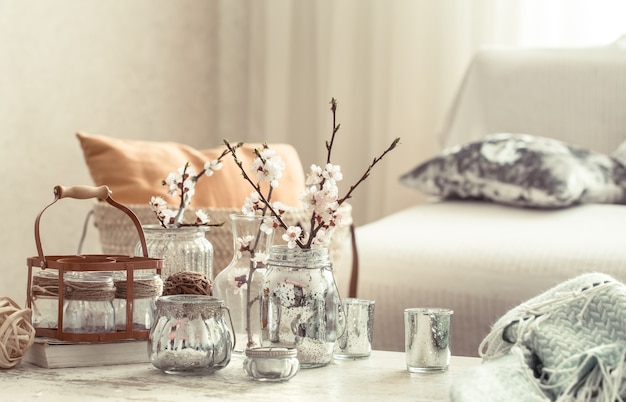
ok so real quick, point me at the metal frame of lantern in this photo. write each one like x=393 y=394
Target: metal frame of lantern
x=91 y=263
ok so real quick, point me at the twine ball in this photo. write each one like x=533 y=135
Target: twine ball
x=187 y=283
x=16 y=332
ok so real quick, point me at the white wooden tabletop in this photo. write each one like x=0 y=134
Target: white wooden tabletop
x=381 y=377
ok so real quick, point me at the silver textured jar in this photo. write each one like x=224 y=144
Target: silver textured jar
x=190 y=335
x=300 y=304
x=271 y=364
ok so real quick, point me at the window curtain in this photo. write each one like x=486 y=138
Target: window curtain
x=393 y=66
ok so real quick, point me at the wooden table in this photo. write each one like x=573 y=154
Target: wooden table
x=381 y=377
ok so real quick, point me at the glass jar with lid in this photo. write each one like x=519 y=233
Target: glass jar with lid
x=300 y=304
x=271 y=364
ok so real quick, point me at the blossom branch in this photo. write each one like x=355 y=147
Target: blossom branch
x=184 y=199
x=367 y=172
x=185 y=182
x=329 y=144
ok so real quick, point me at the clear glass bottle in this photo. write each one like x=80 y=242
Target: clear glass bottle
x=182 y=249
x=239 y=283
x=146 y=289
x=300 y=304
x=190 y=335
x=88 y=303
x=271 y=364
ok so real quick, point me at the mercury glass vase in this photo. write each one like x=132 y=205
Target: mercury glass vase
x=239 y=283
x=300 y=304
x=182 y=249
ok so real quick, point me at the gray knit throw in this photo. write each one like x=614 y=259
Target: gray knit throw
x=567 y=344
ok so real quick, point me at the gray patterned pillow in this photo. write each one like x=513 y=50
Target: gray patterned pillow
x=522 y=170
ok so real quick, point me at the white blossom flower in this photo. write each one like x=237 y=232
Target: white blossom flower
x=168 y=216
x=308 y=196
x=238 y=278
x=243 y=244
x=212 y=166
x=332 y=172
x=280 y=208
x=259 y=260
x=186 y=171
x=335 y=220
x=251 y=204
x=315 y=176
x=189 y=187
x=269 y=224
x=268 y=167
x=172 y=182
x=292 y=235
x=158 y=204
x=322 y=238
x=201 y=217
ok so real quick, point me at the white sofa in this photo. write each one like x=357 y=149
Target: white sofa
x=482 y=258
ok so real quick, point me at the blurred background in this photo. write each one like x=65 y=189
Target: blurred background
x=198 y=71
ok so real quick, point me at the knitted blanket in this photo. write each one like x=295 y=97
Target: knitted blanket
x=567 y=344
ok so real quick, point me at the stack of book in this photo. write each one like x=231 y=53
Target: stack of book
x=52 y=353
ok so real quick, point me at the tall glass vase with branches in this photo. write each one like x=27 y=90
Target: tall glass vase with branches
x=321 y=198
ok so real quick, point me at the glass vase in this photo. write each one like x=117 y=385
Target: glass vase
x=300 y=304
x=182 y=249
x=239 y=283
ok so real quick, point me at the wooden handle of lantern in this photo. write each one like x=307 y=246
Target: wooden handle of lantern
x=82 y=193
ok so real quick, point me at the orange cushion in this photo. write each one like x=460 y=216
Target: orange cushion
x=133 y=171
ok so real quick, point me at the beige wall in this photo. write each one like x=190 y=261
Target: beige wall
x=135 y=69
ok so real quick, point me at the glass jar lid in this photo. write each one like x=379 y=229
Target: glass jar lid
x=271 y=353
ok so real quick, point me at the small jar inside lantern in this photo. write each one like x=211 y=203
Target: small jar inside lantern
x=147 y=288
x=45 y=299
x=88 y=304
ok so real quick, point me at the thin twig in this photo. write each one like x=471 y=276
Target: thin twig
x=329 y=145
x=367 y=172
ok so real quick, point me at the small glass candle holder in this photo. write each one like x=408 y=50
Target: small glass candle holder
x=271 y=364
x=356 y=340
x=427 y=339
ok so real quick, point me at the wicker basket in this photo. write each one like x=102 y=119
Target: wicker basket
x=118 y=236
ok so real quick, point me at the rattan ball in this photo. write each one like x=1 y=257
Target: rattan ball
x=187 y=283
x=16 y=332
